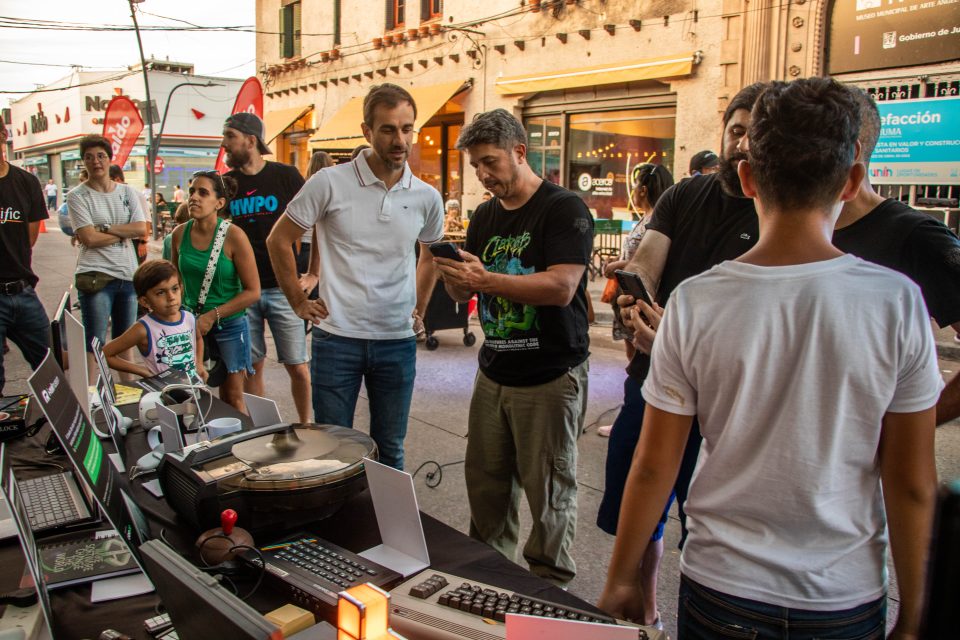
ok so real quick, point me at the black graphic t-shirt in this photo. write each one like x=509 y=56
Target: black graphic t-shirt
x=705 y=226
x=21 y=202
x=527 y=345
x=909 y=241
x=258 y=204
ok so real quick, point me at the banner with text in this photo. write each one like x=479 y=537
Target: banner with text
x=919 y=142
x=249 y=99
x=122 y=125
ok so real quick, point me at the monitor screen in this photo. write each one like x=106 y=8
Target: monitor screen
x=58 y=332
x=200 y=607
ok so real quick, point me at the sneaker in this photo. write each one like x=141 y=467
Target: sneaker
x=604 y=431
x=657 y=624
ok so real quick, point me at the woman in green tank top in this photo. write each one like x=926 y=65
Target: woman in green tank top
x=235 y=285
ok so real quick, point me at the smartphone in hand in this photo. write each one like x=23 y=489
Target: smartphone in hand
x=445 y=250
x=631 y=284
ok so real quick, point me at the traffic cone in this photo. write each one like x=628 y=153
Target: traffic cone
x=43 y=227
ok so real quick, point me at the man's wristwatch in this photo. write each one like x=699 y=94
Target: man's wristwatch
x=103 y=228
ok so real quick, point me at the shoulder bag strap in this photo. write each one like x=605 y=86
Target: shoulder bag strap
x=218 y=240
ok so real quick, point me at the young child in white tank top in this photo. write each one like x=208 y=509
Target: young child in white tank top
x=167 y=335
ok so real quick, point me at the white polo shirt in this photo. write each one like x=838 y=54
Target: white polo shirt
x=366 y=237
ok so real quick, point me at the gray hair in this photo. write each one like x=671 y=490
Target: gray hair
x=452 y=204
x=498 y=127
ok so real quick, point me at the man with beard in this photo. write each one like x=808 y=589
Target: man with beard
x=264 y=191
x=696 y=224
x=369 y=215
x=525 y=254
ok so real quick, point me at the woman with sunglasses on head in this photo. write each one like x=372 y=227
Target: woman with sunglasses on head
x=235 y=284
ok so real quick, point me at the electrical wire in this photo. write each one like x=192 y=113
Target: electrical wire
x=433 y=478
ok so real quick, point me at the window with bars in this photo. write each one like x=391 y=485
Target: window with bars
x=290 y=29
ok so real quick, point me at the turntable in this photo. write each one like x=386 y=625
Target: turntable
x=277 y=477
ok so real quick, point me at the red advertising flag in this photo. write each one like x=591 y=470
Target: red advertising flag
x=122 y=125
x=249 y=99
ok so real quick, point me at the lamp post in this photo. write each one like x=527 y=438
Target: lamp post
x=151 y=178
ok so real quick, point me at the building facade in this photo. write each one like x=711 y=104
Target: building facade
x=47 y=125
x=600 y=85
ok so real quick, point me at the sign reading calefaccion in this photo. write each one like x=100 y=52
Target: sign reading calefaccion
x=883 y=34
x=919 y=142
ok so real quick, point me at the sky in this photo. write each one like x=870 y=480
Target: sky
x=51 y=52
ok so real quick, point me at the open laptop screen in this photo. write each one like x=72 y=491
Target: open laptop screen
x=29 y=544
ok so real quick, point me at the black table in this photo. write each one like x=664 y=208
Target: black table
x=352 y=527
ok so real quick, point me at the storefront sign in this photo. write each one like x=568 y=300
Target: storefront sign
x=39 y=122
x=158 y=165
x=602 y=187
x=122 y=125
x=882 y=34
x=919 y=142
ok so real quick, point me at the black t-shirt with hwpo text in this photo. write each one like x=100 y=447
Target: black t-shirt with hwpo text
x=259 y=202
x=706 y=226
x=527 y=345
x=898 y=237
x=21 y=202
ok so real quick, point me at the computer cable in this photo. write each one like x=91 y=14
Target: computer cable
x=433 y=478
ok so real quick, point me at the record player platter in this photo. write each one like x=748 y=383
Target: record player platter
x=276 y=477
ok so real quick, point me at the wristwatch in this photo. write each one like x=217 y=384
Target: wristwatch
x=103 y=228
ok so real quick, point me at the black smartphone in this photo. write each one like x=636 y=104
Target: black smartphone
x=632 y=285
x=445 y=250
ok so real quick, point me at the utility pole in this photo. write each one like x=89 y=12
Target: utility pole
x=151 y=151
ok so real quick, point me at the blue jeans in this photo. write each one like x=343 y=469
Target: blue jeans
x=706 y=614
x=233 y=342
x=289 y=335
x=116 y=302
x=387 y=367
x=23 y=320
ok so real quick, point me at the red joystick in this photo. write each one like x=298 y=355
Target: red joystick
x=227 y=519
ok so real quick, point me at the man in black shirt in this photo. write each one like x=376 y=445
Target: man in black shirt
x=697 y=223
x=890 y=233
x=22 y=318
x=525 y=255
x=263 y=191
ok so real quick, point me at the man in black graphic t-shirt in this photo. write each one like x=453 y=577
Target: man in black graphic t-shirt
x=525 y=255
x=22 y=318
x=890 y=233
x=263 y=191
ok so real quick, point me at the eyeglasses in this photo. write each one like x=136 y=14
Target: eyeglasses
x=90 y=157
x=209 y=173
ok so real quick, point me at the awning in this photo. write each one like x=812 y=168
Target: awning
x=276 y=122
x=648 y=69
x=342 y=129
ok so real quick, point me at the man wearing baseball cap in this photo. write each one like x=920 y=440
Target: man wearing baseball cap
x=704 y=163
x=264 y=189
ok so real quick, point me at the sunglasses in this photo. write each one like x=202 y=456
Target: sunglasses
x=209 y=173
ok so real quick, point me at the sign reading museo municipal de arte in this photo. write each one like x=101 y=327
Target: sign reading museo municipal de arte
x=919 y=142
x=883 y=34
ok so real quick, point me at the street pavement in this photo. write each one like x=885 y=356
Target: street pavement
x=436 y=437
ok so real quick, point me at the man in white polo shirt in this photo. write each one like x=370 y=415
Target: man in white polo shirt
x=369 y=215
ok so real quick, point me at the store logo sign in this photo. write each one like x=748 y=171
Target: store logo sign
x=39 y=122
x=889 y=39
x=584 y=182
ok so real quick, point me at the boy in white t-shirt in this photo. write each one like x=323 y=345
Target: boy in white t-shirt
x=802 y=418
x=166 y=336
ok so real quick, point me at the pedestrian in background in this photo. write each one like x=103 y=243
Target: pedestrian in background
x=51 y=190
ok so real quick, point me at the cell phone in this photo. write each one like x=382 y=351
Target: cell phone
x=632 y=285
x=445 y=250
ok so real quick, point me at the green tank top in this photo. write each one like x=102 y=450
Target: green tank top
x=193 y=265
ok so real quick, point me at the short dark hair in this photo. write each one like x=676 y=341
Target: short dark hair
x=94 y=141
x=869 y=122
x=802 y=142
x=745 y=99
x=387 y=94
x=498 y=127
x=116 y=171
x=151 y=273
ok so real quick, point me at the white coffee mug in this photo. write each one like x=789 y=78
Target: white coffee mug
x=219 y=427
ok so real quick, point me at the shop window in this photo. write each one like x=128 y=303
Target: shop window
x=396 y=14
x=603 y=147
x=290 y=29
x=544 y=146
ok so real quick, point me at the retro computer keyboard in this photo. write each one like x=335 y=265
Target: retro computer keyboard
x=53 y=500
x=313 y=572
x=434 y=605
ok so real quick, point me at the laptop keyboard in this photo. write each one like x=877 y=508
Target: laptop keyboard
x=52 y=501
